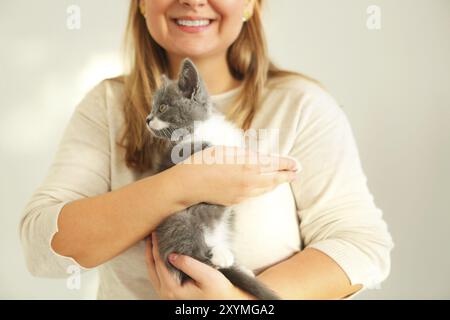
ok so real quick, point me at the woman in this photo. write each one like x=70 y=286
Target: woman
x=101 y=197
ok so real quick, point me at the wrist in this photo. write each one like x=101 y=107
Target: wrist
x=185 y=182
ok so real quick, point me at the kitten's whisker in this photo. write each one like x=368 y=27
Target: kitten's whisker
x=164 y=131
x=169 y=132
x=171 y=135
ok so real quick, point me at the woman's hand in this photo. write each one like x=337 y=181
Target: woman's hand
x=228 y=175
x=208 y=282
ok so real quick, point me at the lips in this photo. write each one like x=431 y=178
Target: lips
x=191 y=18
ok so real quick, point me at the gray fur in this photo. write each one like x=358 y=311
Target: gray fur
x=187 y=101
x=184 y=232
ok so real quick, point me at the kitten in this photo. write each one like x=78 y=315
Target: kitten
x=201 y=231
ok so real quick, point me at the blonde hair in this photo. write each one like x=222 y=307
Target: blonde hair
x=247 y=59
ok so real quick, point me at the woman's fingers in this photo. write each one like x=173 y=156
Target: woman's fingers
x=268 y=162
x=201 y=273
x=266 y=182
x=273 y=163
x=164 y=275
x=155 y=249
x=273 y=179
x=235 y=155
x=156 y=258
x=238 y=173
x=151 y=264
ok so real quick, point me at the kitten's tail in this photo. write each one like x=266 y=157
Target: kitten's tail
x=248 y=283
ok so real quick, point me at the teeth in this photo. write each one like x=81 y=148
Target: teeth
x=193 y=23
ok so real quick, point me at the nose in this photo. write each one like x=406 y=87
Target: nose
x=193 y=3
x=149 y=118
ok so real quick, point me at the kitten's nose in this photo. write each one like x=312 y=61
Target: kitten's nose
x=149 y=118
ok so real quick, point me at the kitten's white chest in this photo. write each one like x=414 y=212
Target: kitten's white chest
x=217 y=131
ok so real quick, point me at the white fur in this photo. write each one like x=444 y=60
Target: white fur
x=222 y=257
x=218 y=236
x=217 y=239
x=218 y=131
x=157 y=124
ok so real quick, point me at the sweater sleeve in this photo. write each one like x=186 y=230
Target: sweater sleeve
x=80 y=168
x=337 y=212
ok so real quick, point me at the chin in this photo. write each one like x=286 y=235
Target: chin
x=194 y=50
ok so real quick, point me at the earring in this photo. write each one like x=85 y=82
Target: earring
x=246 y=16
x=142 y=8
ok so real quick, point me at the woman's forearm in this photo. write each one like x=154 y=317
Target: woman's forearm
x=309 y=274
x=94 y=230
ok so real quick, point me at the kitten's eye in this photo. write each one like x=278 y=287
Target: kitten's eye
x=163 y=107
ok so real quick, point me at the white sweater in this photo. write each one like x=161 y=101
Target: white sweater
x=329 y=206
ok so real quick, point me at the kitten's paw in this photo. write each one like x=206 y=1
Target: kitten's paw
x=222 y=257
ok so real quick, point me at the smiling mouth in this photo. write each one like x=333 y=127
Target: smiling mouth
x=193 y=22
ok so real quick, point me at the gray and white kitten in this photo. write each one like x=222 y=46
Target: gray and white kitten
x=202 y=231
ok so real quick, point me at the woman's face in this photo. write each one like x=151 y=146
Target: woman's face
x=195 y=28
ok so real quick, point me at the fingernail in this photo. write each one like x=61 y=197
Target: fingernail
x=173 y=257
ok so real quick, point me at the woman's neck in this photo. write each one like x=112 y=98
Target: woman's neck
x=213 y=70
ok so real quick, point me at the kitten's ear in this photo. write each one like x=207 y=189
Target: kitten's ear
x=189 y=79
